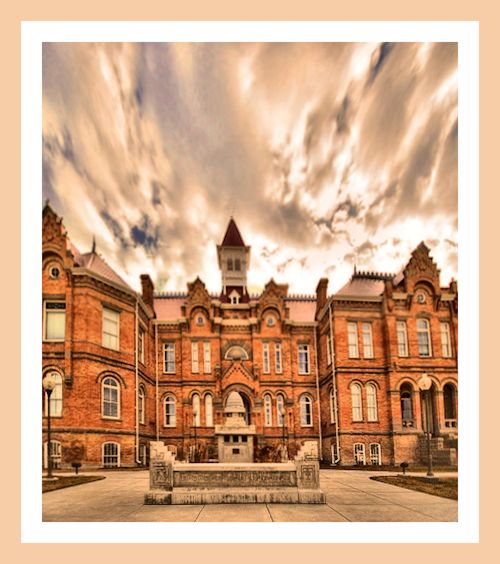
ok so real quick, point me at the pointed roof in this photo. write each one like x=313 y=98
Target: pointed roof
x=95 y=263
x=233 y=237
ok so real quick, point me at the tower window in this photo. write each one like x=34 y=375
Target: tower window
x=237 y=264
x=230 y=264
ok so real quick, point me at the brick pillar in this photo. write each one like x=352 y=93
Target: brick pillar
x=321 y=290
x=147 y=289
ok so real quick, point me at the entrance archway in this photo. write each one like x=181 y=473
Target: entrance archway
x=248 y=406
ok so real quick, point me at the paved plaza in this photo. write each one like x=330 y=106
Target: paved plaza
x=350 y=496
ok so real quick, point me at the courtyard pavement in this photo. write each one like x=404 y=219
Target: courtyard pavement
x=350 y=496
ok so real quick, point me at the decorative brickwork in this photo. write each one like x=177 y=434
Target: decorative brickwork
x=187 y=352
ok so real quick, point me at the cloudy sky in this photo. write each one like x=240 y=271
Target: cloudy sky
x=326 y=155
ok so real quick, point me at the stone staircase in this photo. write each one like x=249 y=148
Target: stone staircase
x=444 y=451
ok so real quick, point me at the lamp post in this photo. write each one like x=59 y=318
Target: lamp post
x=49 y=383
x=283 y=423
x=424 y=385
x=195 y=415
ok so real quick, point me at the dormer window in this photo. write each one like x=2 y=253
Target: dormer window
x=234 y=297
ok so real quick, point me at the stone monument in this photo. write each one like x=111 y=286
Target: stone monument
x=235 y=437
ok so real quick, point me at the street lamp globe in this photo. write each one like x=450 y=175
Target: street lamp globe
x=49 y=383
x=424 y=382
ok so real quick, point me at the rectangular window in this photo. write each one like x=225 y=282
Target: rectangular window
x=303 y=359
x=402 y=337
x=366 y=335
x=352 y=339
x=328 y=349
x=141 y=346
x=206 y=358
x=277 y=357
x=169 y=358
x=54 y=320
x=110 y=328
x=423 y=337
x=265 y=358
x=445 y=339
x=111 y=455
x=375 y=456
x=195 y=367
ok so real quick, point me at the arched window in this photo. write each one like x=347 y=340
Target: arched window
x=111 y=455
x=55 y=453
x=359 y=454
x=305 y=411
x=196 y=410
x=268 y=413
x=280 y=406
x=332 y=406
x=405 y=395
x=371 y=402
x=209 y=417
x=169 y=405
x=141 y=404
x=236 y=353
x=56 y=399
x=110 y=398
x=357 y=406
x=450 y=408
x=424 y=337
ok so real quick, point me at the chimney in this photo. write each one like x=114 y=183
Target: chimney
x=321 y=290
x=147 y=289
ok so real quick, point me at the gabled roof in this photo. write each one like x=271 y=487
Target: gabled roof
x=365 y=284
x=95 y=263
x=233 y=237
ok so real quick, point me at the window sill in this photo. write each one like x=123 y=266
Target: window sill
x=54 y=340
x=110 y=348
x=109 y=418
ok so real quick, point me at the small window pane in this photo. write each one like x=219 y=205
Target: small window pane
x=277 y=351
x=268 y=418
x=194 y=358
x=206 y=358
x=305 y=411
x=445 y=340
x=170 y=411
x=209 y=421
x=357 y=412
x=265 y=358
x=424 y=337
x=352 y=339
x=169 y=358
x=371 y=402
x=366 y=333
x=303 y=359
x=402 y=338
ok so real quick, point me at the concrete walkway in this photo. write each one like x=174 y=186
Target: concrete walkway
x=350 y=494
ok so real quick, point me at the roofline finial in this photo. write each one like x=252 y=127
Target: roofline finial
x=93 y=244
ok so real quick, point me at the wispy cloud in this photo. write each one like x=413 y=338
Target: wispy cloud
x=324 y=153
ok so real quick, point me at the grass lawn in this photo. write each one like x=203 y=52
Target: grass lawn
x=67 y=481
x=442 y=487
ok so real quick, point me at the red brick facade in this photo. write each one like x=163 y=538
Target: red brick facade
x=131 y=365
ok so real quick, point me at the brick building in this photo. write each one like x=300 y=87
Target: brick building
x=342 y=369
